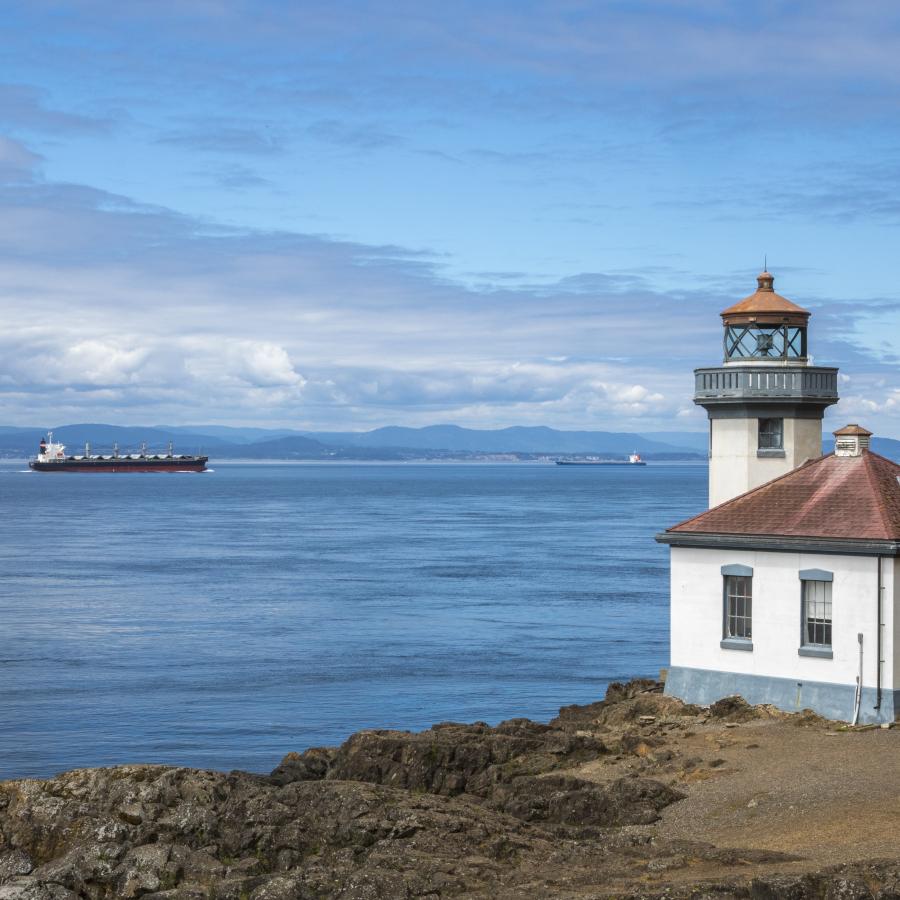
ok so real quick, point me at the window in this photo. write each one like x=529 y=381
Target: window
x=759 y=341
x=816 y=614
x=771 y=434
x=796 y=342
x=739 y=607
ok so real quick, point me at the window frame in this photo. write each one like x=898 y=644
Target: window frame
x=767 y=446
x=737 y=641
x=807 y=647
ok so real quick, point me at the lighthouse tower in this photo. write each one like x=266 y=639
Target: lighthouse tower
x=766 y=402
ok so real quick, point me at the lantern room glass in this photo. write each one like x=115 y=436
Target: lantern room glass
x=765 y=342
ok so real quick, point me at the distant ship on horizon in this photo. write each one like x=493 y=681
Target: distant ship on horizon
x=633 y=460
x=52 y=458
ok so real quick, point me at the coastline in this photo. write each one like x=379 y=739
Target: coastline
x=638 y=795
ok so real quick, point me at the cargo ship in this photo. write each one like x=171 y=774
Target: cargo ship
x=633 y=460
x=52 y=458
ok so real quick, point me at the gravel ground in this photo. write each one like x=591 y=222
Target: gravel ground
x=804 y=787
x=826 y=795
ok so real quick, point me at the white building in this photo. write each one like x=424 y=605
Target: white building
x=786 y=590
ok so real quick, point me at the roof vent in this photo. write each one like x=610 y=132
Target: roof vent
x=851 y=440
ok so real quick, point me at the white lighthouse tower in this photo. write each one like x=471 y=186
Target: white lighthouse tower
x=766 y=402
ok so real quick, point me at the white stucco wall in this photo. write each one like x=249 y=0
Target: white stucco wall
x=734 y=467
x=697 y=615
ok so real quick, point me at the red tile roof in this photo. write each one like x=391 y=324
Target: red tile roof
x=855 y=497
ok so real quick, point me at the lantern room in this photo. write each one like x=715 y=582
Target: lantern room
x=765 y=327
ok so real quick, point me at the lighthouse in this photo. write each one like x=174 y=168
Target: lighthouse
x=766 y=401
x=786 y=591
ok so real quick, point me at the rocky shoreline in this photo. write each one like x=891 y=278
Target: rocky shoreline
x=596 y=803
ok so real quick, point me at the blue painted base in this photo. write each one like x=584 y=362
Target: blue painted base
x=834 y=701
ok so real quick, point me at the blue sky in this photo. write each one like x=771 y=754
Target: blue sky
x=342 y=215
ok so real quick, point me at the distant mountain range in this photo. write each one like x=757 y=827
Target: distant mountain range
x=389 y=443
x=518 y=439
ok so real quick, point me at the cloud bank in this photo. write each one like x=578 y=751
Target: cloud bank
x=120 y=311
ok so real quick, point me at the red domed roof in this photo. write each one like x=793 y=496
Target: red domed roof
x=766 y=306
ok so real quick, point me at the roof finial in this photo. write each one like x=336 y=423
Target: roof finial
x=765 y=262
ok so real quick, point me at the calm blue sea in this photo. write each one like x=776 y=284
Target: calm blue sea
x=220 y=620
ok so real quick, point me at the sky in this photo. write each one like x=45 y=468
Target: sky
x=340 y=215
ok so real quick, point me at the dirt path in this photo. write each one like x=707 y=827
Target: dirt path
x=823 y=795
x=827 y=796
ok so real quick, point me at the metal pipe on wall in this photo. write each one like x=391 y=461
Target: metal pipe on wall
x=859 y=680
x=880 y=625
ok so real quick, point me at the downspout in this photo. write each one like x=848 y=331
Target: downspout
x=878 y=660
x=859 y=678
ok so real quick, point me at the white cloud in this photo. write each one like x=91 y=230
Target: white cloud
x=267 y=364
x=239 y=363
x=102 y=363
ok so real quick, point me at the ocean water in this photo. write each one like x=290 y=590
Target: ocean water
x=221 y=620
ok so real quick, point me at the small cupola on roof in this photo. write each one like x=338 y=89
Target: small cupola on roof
x=765 y=326
x=851 y=440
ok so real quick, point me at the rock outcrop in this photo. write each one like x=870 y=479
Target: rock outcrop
x=519 y=810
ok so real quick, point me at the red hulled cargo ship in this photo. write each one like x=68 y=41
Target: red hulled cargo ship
x=52 y=458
